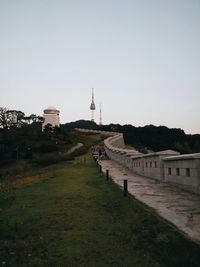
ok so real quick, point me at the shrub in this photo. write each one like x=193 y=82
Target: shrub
x=82 y=150
x=14 y=169
x=51 y=158
x=46 y=148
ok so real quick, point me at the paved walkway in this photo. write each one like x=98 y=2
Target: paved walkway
x=74 y=148
x=177 y=206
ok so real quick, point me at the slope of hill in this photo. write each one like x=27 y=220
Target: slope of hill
x=71 y=216
x=149 y=137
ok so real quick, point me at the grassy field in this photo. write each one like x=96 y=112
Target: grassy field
x=71 y=216
x=22 y=166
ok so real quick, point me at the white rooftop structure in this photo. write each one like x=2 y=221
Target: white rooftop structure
x=51 y=116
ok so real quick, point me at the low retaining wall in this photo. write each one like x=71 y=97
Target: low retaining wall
x=167 y=166
x=106 y=133
x=184 y=170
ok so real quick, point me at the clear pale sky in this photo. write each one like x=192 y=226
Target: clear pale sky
x=141 y=56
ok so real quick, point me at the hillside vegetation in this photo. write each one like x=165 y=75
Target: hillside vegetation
x=148 y=138
x=26 y=149
x=57 y=210
x=69 y=215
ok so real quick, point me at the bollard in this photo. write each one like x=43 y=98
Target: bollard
x=107 y=174
x=100 y=168
x=125 y=187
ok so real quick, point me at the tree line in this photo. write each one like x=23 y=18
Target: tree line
x=21 y=137
x=148 y=138
x=16 y=118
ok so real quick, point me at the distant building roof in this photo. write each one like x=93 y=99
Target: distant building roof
x=162 y=153
x=185 y=156
x=51 y=110
x=51 y=107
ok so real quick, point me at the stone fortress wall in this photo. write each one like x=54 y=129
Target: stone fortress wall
x=166 y=166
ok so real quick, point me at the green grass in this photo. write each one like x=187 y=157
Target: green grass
x=24 y=167
x=77 y=218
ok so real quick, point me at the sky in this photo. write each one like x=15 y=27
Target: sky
x=142 y=57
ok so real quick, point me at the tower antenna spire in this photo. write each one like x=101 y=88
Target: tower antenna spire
x=92 y=94
x=92 y=106
x=100 y=119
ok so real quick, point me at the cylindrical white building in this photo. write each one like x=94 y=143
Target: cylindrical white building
x=51 y=116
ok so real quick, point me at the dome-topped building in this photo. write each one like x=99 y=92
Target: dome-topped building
x=51 y=116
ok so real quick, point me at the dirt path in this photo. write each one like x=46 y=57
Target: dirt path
x=74 y=148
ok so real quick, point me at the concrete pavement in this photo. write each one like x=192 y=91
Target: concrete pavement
x=175 y=205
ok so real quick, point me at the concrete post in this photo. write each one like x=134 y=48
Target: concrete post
x=107 y=174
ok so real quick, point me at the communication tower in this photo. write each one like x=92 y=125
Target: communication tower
x=92 y=106
x=100 y=119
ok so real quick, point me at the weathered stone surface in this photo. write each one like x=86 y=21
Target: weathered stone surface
x=175 y=205
x=167 y=166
